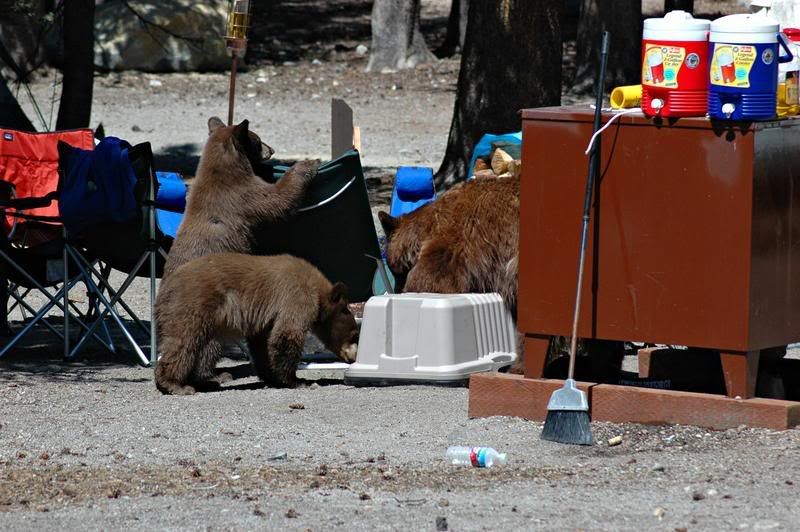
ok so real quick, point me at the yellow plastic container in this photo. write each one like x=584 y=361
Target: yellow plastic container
x=626 y=97
x=785 y=108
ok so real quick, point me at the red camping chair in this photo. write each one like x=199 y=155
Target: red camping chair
x=32 y=253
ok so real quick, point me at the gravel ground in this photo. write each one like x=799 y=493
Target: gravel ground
x=91 y=445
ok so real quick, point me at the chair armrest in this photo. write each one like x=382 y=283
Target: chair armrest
x=22 y=204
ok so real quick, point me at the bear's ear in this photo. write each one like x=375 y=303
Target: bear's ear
x=389 y=223
x=214 y=123
x=338 y=293
x=241 y=133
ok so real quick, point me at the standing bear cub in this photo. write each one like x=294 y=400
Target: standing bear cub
x=227 y=201
x=272 y=301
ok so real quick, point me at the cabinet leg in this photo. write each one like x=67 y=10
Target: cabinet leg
x=741 y=372
x=536 y=349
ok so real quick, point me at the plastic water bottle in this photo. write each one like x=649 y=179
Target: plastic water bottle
x=475 y=456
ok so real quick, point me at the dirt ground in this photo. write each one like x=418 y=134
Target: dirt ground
x=91 y=445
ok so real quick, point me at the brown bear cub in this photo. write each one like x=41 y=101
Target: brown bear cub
x=228 y=201
x=272 y=301
x=465 y=241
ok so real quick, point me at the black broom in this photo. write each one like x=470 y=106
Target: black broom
x=568 y=410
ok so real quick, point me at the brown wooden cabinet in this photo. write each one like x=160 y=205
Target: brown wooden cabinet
x=694 y=238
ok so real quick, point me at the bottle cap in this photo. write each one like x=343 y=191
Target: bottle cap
x=792 y=33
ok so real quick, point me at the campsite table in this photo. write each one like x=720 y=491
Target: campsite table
x=694 y=237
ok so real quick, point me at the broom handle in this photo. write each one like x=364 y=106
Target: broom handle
x=594 y=169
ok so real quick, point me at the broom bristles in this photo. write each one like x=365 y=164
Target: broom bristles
x=568 y=426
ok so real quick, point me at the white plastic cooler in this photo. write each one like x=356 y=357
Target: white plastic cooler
x=439 y=338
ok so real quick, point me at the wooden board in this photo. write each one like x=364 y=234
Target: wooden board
x=513 y=395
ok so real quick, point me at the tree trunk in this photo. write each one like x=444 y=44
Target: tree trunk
x=11 y=114
x=623 y=19
x=397 y=41
x=456 y=29
x=511 y=60
x=75 y=107
x=685 y=5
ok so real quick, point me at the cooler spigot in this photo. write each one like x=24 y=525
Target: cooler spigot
x=657 y=104
x=728 y=109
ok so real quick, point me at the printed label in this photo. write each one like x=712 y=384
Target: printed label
x=662 y=64
x=731 y=65
x=8 y=135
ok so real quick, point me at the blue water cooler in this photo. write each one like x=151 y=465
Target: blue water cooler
x=743 y=74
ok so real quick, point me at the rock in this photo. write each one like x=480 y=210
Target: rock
x=291 y=513
x=658 y=468
x=659 y=512
x=697 y=496
x=155 y=83
x=361 y=50
x=616 y=440
x=441 y=523
x=178 y=36
x=364 y=497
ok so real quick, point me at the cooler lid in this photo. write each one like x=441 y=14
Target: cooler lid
x=677 y=20
x=745 y=23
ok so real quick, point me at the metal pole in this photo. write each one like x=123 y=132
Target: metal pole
x=152 y=209
x=232 y=90
x=65 y=259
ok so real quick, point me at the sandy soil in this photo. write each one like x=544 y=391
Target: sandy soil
x=91 y=445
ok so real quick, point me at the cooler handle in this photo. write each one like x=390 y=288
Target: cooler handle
x=789 y=56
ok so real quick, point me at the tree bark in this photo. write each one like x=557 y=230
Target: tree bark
x=456 y=29
x=511 y=60
x=75 y=107
x=397 y=41
x=11 y=114
x=685 y=5
x=623 y=20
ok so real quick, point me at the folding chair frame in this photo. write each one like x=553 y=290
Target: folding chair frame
x=60 y=300
x=97 y=288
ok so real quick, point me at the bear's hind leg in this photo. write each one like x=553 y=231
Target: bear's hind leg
x=285 y=351
x=205 y=377
x=259 y=356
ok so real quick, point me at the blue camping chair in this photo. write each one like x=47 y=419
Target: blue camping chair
x=413 y=188
x=110 y=210
x=170 y=202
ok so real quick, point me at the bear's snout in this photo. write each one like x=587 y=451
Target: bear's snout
x=348 y=353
